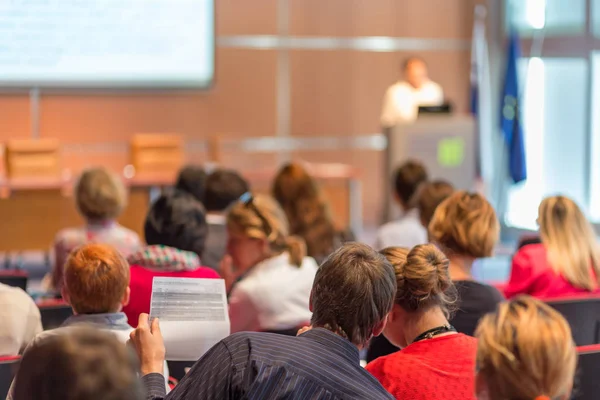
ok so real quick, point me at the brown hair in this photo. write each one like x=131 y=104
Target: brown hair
x=306 y=209
x=83 y=364
x=247 y=220
x=96 y=279
x=465 y=224
x=100 y=194
x=407 y=179
x=353 y=292
x=525 y=349
x=430 y=195
x=570 y=242
x=422 y=278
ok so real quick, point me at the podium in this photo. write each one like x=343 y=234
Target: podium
x=445 y=144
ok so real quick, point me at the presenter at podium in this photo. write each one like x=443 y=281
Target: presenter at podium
x=403 y=98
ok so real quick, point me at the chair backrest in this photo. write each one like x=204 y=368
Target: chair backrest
x=583 y=315
x=8 y=370
x=16 y=278
x=54 y=313
x=587 y=384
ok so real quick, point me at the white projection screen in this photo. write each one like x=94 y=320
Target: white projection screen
x=106 y=43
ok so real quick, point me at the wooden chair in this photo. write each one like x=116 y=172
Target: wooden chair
x=157 y=155
x=33 y=159
x=583 y=315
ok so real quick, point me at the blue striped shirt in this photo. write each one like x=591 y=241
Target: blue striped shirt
x=315 y=365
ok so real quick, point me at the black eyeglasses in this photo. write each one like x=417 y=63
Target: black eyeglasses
x=248 y=200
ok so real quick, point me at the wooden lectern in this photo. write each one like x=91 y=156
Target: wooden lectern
x=33 y=159
x=444 y=143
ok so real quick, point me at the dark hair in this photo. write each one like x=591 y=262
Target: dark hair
x=177 y=220
x=192 y=179
x=406 y=62
x=430 y=195
x=223 y=187
x=83 y=364
x=307 y=211
x=353 y=292
x=407 y=179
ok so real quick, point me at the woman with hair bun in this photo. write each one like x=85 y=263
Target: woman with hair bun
x=274 y=277
x=525 y=351
x=436 y=362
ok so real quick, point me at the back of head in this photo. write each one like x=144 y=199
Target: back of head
x=407 y=179
x=84 y=364
x=570 y=241
x=192 y=179
x=525 y=350
x=100 y=194
x=223 y=188
x=178 y=220
x=422 y=278
x=430 y=195
x=307 y=212
x=262 y=218
x=353 y=292
x=96 y=279
x=465 y=224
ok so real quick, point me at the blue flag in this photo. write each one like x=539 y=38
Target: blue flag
x=511 y=114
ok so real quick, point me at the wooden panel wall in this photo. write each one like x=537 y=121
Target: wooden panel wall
x=332 y=92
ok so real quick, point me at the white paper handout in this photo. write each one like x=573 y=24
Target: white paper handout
x=193 y=315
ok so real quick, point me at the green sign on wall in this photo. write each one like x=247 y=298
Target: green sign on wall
x=451 y=152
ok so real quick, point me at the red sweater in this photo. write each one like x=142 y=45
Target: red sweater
x=141 y=288
x=532 y=274
x=438 y=368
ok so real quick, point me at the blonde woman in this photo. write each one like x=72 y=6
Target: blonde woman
x=436 y=362
x=525 y=351
x=100 y=197
x=275 y=276
x=465 y=228
x=566 y=262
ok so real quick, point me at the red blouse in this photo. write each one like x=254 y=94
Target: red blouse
x=532 y=274
x=438 y=368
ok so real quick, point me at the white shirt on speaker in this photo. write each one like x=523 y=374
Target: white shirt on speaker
x=402 y=101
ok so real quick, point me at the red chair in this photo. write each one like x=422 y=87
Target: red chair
x=54 y=313
x=14 y=277
x=587 y=384
x=8 y=370
x=583 y=314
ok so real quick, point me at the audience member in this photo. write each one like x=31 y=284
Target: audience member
x=352 y=294
x=83 y=364
x=465 y=227
x=407 y=231
x=100 y=197
x=20 y=318
x=429 y=196
x=276 y=277
x=175 y=231
x=566 y=262
x=223 y=188
x=192 y=179
x=436 y=362
x=97 y=287
x=307 y=211
x=525 y=351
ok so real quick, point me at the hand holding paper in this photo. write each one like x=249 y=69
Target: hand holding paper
x=149 y=346
x=193 y=313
